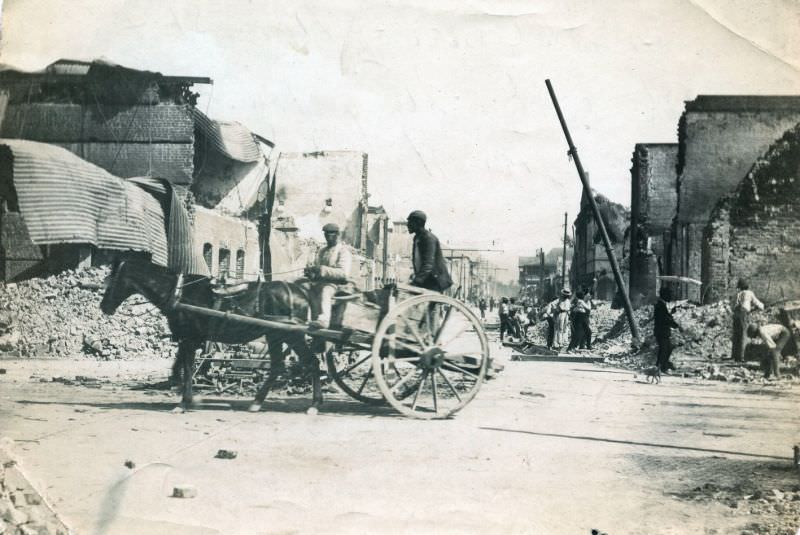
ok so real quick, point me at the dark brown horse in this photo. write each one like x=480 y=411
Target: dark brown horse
x=259 y=299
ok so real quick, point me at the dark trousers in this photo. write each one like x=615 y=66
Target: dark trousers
x=739 y=336
x=581 y=331
x=664 y=352
x=551 y=332
x=505 y=326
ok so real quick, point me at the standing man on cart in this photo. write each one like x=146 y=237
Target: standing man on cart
x=330 y=270
x=430 y=269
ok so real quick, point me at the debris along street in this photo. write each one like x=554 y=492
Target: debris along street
x=363 y=280
x=546 y=448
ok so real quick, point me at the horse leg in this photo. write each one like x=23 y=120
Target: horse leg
x=276 y=367
x=186 y=351
x=311 y=365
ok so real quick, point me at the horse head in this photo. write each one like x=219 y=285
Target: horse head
x=118 y=288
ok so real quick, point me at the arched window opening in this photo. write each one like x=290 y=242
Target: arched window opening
x=224 y=266
x=208 y=256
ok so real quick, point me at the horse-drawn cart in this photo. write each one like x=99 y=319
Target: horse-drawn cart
x=424 y=353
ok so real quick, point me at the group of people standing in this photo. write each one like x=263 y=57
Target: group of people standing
x=568 y=320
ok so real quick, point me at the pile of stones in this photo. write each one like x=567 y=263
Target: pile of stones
x=59 y=316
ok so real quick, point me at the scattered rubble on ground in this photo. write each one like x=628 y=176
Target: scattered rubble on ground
x=773 y=511
x=702 y=346
x=22 y=509
x=59 y=316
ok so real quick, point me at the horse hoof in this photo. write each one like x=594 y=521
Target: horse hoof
x=255 y=407
x=312 y=411
x=178 y=410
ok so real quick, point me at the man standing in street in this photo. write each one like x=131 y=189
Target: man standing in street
x=482 y=307
x=743 y=304
x=430 y=269
x=331 y=269
x=663 y=323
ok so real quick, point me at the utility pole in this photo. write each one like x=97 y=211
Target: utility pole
x=598 y=219
x=564 y=256
x=541 y=275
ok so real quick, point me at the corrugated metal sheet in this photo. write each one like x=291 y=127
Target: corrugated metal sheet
x=64 y=199
x=182 y=255
x=229 y=138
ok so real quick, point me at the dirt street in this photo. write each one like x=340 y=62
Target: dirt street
x=544 y=448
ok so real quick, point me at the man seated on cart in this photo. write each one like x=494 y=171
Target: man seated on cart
x=328 y=274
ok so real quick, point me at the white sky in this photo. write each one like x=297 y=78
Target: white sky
x=447 y=97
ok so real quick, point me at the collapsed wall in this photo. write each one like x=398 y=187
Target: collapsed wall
x=720 y=137
x=754 y=233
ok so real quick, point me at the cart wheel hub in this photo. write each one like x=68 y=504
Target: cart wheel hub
x=432 y=358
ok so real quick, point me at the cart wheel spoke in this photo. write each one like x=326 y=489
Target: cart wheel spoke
x=449 y=384
x=354 y=366
x=440 y=330
x=433 y=391
x=356 y=379
x=415 y=332
x=416 y=394
x=453 y=367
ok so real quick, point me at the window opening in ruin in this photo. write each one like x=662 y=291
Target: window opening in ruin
x=208 y=256
x=224 y=265
x=240 y=264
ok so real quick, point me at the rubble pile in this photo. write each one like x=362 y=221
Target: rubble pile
x=703 y=340
x=60 y=316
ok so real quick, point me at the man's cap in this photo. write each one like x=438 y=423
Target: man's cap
x=330 y=227
x=566 y=292
x=418 y=214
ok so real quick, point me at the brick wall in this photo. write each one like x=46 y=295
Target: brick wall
x=126 y=141
x=69 y=123
x=755 y=232
x=173 y=161
x=720 y=139
x=654 y=196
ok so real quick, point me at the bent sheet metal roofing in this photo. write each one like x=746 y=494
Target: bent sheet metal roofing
x=64 y=199
x=229 y=138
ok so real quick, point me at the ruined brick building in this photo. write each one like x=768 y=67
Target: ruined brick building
x=137 y=123
x=754 y=232
x=698 y=184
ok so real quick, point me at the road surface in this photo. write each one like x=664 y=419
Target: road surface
x=544 y=448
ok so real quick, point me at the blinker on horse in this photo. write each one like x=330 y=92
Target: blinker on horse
x=191 y=330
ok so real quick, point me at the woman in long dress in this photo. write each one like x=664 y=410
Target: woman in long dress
x=562 y=319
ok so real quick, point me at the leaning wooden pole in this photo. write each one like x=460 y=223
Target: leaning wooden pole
x=599 y=220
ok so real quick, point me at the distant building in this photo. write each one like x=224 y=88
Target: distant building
x=590 y=266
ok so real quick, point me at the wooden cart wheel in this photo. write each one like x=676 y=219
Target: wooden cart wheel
x=352 y=372
x=434 y=348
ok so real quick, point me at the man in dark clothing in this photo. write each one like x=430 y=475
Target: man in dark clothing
x=663 y=323
x=491 y=303
x=482 y=307
x=430 y=269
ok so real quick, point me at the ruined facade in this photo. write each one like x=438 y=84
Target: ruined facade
x=719 y=137
x=754 y=233
x=129 y=122
x=590 y=264
x=654 y=196
x=137 y=123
